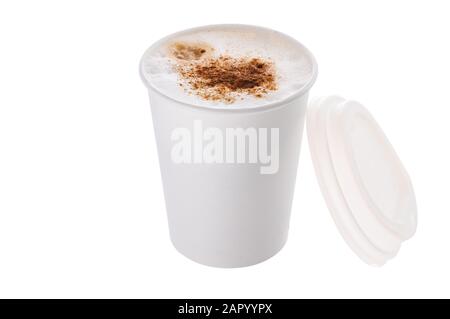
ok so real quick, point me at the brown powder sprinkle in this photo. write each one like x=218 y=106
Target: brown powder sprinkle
x=190 y=51
x=224 y=77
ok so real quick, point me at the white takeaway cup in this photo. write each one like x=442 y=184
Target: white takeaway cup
x=229 y=214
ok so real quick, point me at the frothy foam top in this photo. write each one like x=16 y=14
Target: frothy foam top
x=228 y=66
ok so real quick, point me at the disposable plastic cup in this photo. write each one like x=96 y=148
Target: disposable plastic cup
x=233 y=213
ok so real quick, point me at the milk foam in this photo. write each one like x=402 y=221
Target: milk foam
x=295 y=66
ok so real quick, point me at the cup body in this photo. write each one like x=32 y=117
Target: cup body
x=228 y=214
x=228 y=173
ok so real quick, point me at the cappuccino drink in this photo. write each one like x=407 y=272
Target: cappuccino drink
x=228 y=106
x=228 y=67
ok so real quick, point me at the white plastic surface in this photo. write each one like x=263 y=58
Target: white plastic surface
x=228 y=215
x=367 y=189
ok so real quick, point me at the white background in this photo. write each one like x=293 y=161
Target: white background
x=81 y=203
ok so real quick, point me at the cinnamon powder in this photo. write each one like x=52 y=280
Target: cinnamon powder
x=222 y=78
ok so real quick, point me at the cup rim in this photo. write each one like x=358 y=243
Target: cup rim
x=301 y=91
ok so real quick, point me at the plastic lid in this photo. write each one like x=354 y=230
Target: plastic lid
x=365 y=186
